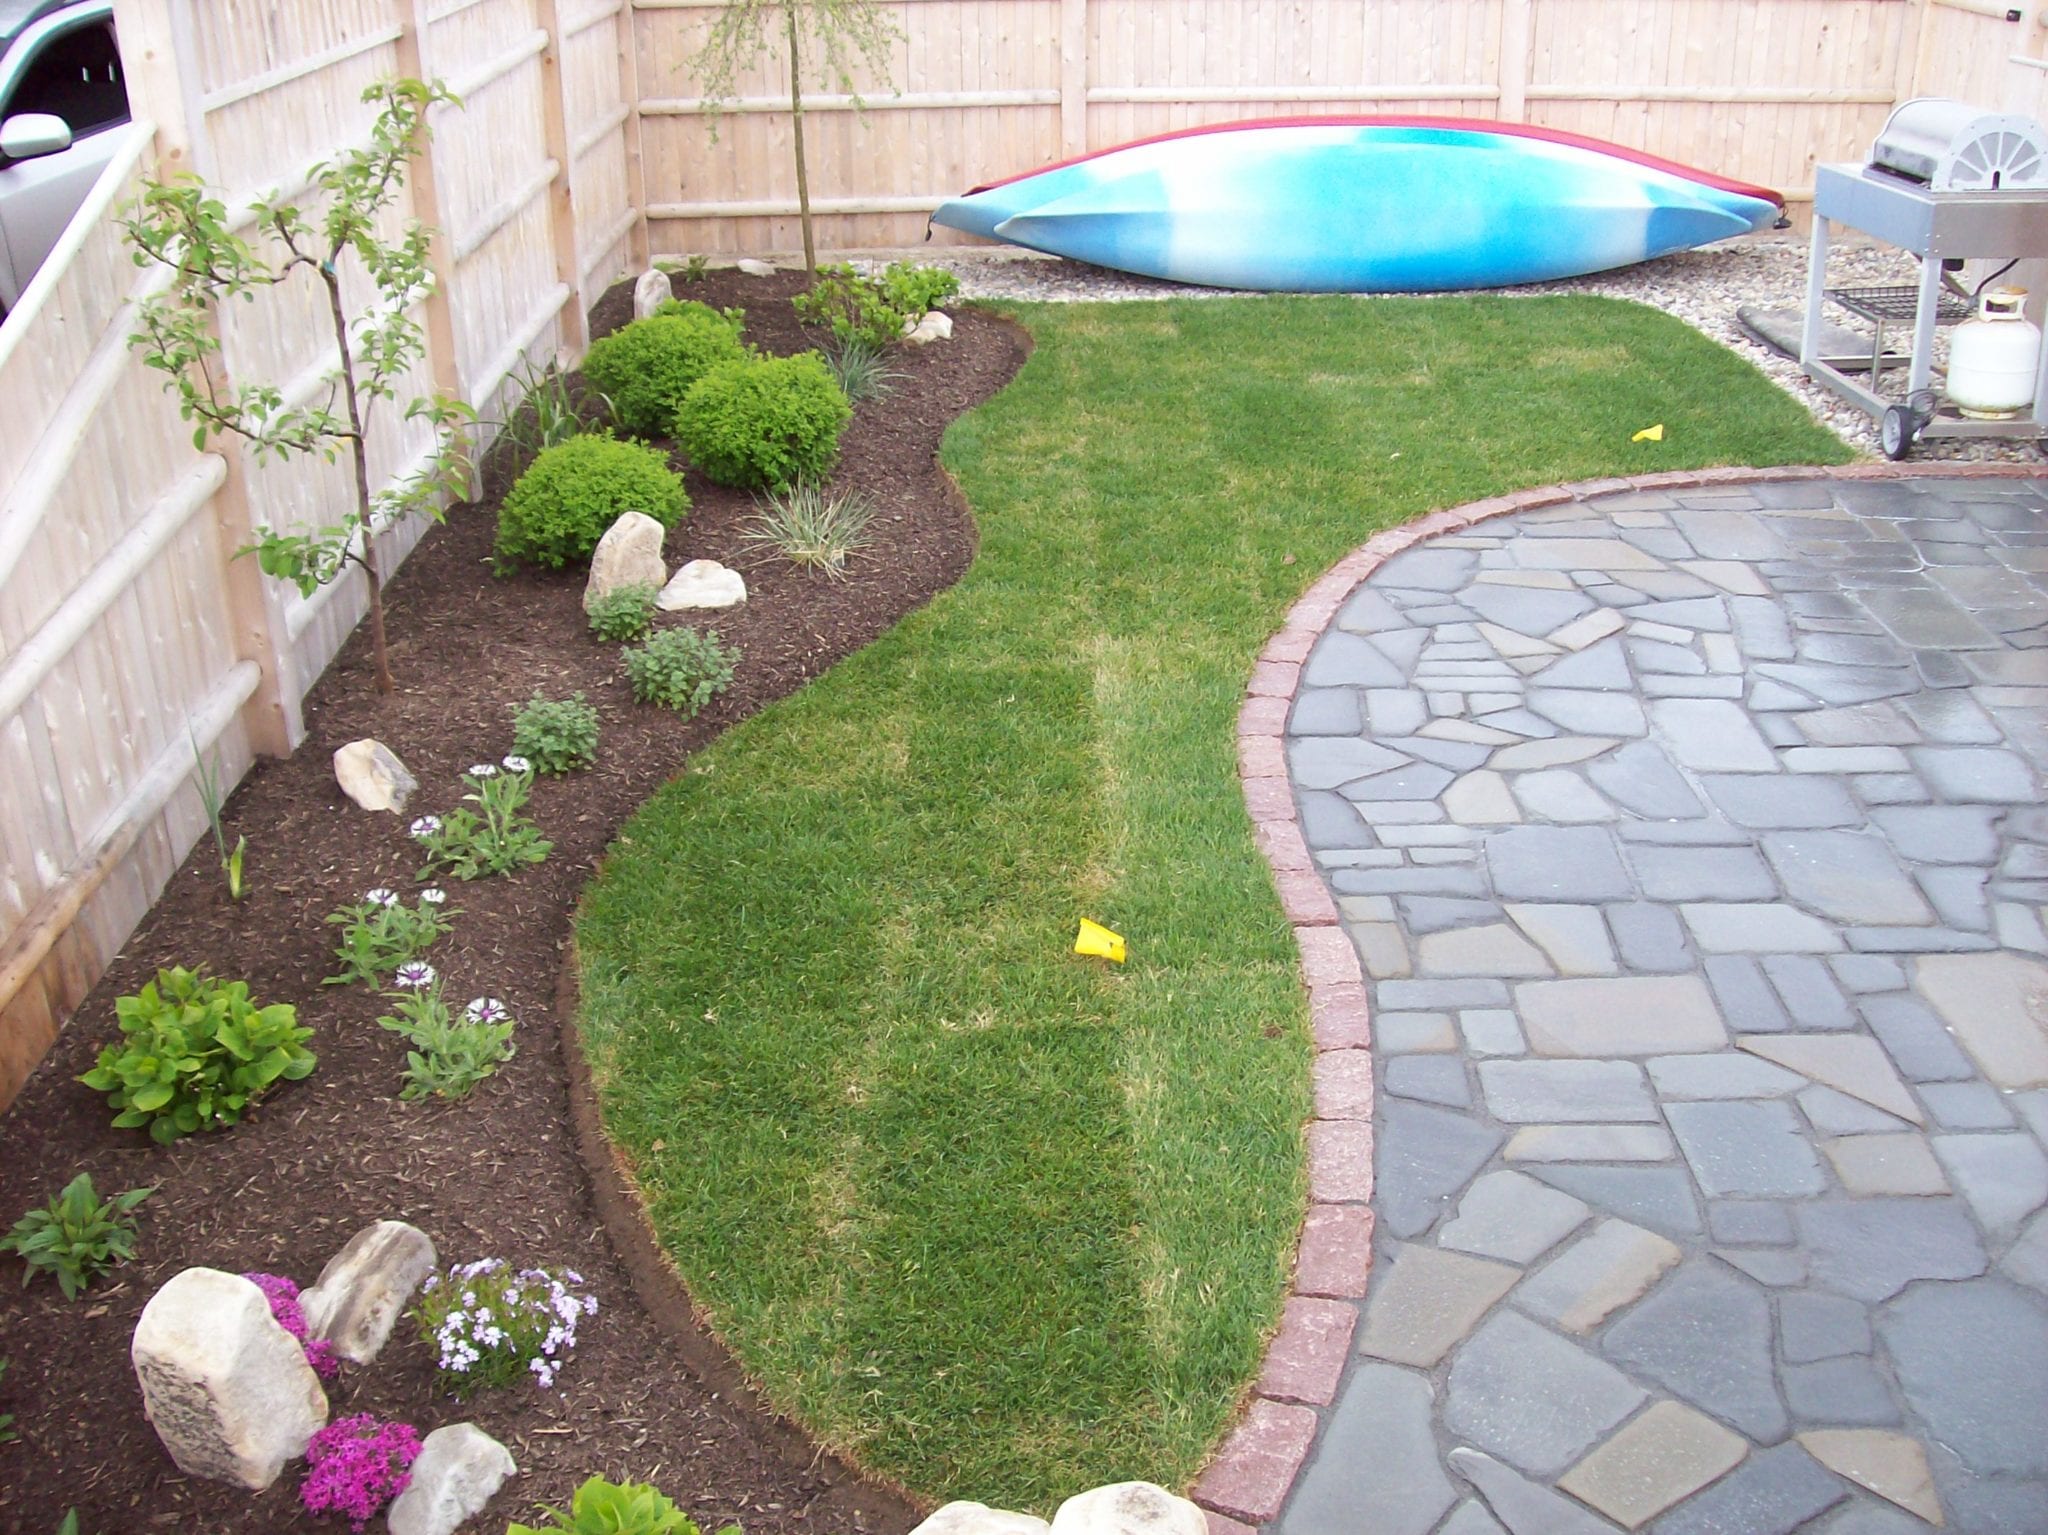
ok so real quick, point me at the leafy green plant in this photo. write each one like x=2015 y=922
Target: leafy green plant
x=681 y=669
x=810 y=526
x=556 y=735
x=176 y=224
x=562 y=505
x=450 y=1055
x=77 y=1236
x=859 y=369
x=648 y=366
x=694 y=268
x=621 y=614
x=913 y=290
x=766 y=422
x=196 y=1053
x=852 y=307
x=494 y=838
x=210 y=798
x=601 y=1507
x=379 y=933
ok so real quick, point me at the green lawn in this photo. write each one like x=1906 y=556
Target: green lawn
x=1002 y=1223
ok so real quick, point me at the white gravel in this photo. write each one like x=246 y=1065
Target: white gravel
x=1703 y=287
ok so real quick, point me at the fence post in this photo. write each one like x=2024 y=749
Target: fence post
x=416 y=60
x=1073 y=77
x=160 y=61
x=561 y=199
x=1512 y=105
x=636 y=172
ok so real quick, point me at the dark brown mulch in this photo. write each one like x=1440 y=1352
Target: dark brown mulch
x=647 y=1396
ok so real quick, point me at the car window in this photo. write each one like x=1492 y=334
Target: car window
x=76 y=75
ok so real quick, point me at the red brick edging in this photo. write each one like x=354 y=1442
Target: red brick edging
x=1248 y=1481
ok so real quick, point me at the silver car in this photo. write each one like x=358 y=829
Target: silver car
x=61 y=95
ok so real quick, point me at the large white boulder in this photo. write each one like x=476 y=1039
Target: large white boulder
x=363 y=1290
x=933 y=327
x=979 y=1519
x=1129 y=1508
x=753 y=268
x=650 y=291
x=370 y=773
x=702 y=584
x=459 y=1468
x=227 y=1390
x=629 y=554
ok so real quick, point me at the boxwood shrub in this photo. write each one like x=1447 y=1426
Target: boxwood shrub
x=766 y=422
x=572 y=492
x=645 y=368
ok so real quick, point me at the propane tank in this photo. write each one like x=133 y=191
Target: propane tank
x=1992 y=359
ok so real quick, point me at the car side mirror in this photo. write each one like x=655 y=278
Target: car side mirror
x=31 y=135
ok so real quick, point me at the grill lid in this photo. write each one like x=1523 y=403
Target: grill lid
x=1951 y=146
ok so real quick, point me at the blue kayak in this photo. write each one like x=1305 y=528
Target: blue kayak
x=1363 y=205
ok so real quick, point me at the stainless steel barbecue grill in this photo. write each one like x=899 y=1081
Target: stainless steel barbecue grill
x=1947 y=182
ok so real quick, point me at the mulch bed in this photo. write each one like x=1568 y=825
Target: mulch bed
x=648 y=1396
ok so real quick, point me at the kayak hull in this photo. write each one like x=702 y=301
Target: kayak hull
x=1377 y=205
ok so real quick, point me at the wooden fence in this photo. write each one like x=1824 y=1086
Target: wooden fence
x=980 y=89
x=131 y=642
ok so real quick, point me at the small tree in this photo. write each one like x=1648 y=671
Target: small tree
x=179 y=225
x=842 y=31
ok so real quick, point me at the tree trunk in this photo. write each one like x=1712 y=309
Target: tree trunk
x=360 y=459
x=803 y=180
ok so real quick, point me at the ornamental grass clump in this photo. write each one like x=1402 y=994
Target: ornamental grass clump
x=811 y=527
x=489 y=1324
x=764 y=423
x=646 y=368
x=380 y=932
x=496 y=837
x=356 y=1465
x=571 y=493
x=76 y=1237
x=196 y=1053
x=286 y=1311
x=681 y=669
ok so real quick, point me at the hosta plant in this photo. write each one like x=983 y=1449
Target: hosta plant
x=77 y=1236
x=601 y=1507
x=195 y=1053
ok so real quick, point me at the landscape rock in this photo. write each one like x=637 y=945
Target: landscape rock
x=365 y=1287
x=459 y=1468
x=370 y=773
x=754 y=268
x=629 y=554
x=702 y=584
x=963 y=1518
x=933 y=327
x=650 y=291
x=227 y=1389
x=1128 y=1508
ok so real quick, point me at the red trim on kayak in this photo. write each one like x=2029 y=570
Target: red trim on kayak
x=1461 y=124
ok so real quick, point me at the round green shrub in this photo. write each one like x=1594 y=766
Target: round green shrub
x=765 y=422
x=645 y=368
x=572 y=492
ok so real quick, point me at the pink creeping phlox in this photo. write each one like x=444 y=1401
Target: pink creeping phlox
x=283 y=1296
x=356 y=1465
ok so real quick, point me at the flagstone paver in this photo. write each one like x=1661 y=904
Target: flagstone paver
x=1691 y=840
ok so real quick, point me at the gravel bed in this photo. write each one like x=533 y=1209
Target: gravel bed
x=1703 y=287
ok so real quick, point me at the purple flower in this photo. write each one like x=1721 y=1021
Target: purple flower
x=283 y=1296
x=381 y=897
x=426 y=826
x=517 y=764
x=486 y=1010
x=415 y=973
x=356 y=1465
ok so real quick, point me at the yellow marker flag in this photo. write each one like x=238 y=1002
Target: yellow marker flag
x=1650 y=434
x=1099 y=941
